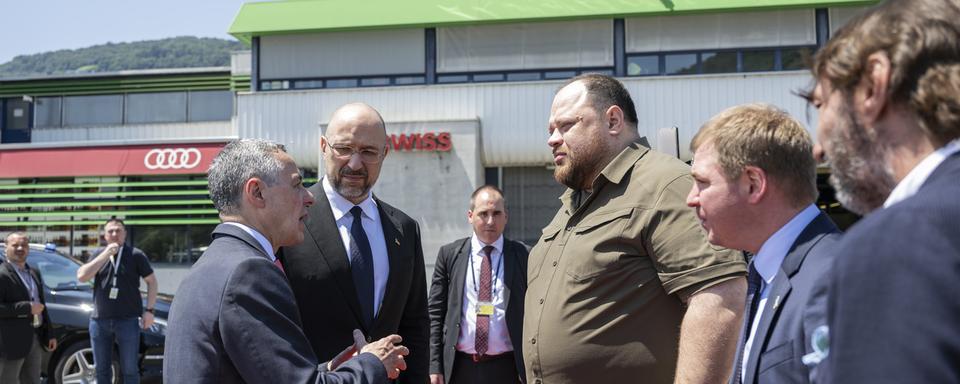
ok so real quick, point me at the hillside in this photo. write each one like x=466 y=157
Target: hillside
x=175 y=52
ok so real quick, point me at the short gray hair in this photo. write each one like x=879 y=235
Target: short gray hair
x=238 y=162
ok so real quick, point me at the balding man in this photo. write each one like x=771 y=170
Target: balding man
x=360 y=265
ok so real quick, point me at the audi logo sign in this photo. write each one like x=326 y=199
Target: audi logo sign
x=172 y=158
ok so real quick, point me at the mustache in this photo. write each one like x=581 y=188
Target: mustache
x=346 y=171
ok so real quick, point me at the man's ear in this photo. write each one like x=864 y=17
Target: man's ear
x=870 y=95
x=253 y=192
x=615 y=123
x=756 y=182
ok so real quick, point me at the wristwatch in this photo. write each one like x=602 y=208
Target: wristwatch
x=149 y=310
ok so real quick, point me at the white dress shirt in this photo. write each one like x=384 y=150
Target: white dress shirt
x=371 y=225
x=499 y=339
x=919 y=174
x=767 y=262
x=264 y=243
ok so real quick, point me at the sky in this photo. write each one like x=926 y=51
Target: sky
x=35 y=26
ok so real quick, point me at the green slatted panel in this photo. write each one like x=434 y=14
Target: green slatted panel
x=113 y=203
x=113 y=85
x=100 y=222
x=177 y=183
x=108 y=214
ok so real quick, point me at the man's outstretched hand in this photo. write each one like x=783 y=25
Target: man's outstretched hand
x=390 y=354
x=359 y=341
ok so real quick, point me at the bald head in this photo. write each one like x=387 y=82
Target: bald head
x=352 y=115
x=354 y=145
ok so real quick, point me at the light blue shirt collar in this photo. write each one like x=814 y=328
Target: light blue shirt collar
x=264 y=243
x=774 y=250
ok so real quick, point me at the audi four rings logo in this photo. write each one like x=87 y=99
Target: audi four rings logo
x=172 y=158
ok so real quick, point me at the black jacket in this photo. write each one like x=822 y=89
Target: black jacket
x=16 y=322
x=446 y=301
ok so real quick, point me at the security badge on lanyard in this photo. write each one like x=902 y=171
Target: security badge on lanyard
x=484 y=308
x=115 y=265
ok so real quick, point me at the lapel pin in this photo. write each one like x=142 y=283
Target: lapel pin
x=395 y=240
x=776 y=302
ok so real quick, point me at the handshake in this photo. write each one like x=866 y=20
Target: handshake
x=386 y=349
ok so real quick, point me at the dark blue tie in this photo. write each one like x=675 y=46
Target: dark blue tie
x=754 y=283
x=361 y=265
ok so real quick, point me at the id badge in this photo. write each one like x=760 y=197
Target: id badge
x=485 y=308
x=113 y=293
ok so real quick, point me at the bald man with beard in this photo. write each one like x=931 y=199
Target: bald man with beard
x=360 y=265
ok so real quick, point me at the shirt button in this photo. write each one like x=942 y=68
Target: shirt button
x=533 y=340
x=541 y=301
x=537 y=381
x=554 y=263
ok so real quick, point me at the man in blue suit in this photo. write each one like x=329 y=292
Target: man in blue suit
x=234 y=319
x=888 y=92
x=755 y=189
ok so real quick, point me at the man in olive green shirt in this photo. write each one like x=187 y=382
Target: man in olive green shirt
x=623 y=276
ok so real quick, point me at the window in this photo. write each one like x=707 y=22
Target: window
x=374 y=81
x=92 y=110
x=47 y=112
x=341 y=83
x=166 y=107
x=481 y=77
x=211 y=105
x=523 y=76
x=718 y=62
x=760 y=60
x=796 y=58
x=680 y=64
x=643 y=65
x=720 y=31
x=342 y=54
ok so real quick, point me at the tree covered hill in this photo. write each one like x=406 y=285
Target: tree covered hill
x=175 y=52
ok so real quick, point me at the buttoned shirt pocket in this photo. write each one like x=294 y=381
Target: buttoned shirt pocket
x=597 y=244
x=538 y=255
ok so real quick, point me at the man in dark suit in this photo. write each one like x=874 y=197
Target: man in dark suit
x=476 y=300
x=755 y=189
x=24 y=322
x=234 y=319
x=888 y=91
x=360 y=257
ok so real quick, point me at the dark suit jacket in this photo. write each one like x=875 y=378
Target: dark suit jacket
x=319 y=272
x=894 y=313
x=16 y=322
x=234 y=321
x=782 y=336
x=446 y=301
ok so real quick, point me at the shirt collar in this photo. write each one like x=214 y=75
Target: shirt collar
x=264 y=243
x=613 y=172
x=919 y=174
x=341 y=206
x=774 y=250
x=477 y=245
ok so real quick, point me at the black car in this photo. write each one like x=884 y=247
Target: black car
x=70 y=303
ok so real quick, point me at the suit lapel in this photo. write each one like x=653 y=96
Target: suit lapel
x=16 y=277
x=458 y=281
x=780 y=287
x=393 y=237
x=322 y=230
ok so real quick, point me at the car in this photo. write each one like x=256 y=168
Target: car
x=70 y=304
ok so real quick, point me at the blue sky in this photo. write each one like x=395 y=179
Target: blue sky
x=34 y=26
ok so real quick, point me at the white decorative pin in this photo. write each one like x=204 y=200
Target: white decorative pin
x=776 y=302
x=397 y=241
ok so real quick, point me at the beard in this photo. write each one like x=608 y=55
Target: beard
x=348 y=191
x=860 y=174
x=582 y=165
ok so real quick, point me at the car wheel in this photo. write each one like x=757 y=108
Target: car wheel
x=76 y=366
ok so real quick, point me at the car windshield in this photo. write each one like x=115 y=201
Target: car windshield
x=58 y=271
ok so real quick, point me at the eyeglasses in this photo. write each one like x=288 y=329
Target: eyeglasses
x=368 y=156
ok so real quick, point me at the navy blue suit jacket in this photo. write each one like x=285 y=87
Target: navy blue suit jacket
x=793 y=307
x=894 y=309
x=234 y=320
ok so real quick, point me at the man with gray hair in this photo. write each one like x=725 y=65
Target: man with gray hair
x=235 y=319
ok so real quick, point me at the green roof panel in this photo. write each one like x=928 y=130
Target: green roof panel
x=297 y=16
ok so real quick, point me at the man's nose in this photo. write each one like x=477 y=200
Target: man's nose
x=818 y=154
x=555 y=138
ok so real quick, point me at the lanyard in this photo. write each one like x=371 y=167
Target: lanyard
x=29 y=284
x=493 y=282
x=115 y=265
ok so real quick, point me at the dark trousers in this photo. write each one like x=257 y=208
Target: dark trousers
x=492 y=370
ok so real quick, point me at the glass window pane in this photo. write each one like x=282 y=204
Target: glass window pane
x=796 y=58
x=488 y=77
x=406 y=80
x=643 y=65
x=452 y=79
x=718 y=62
x=156 y=107
x=342 y=83
x=307 y=84
x=758 y=60
x=681 y=64
x=523 y=76
x=47 y=112
x=559 y=74
x=211 y=105
x=92 y=110
x=376 y=81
